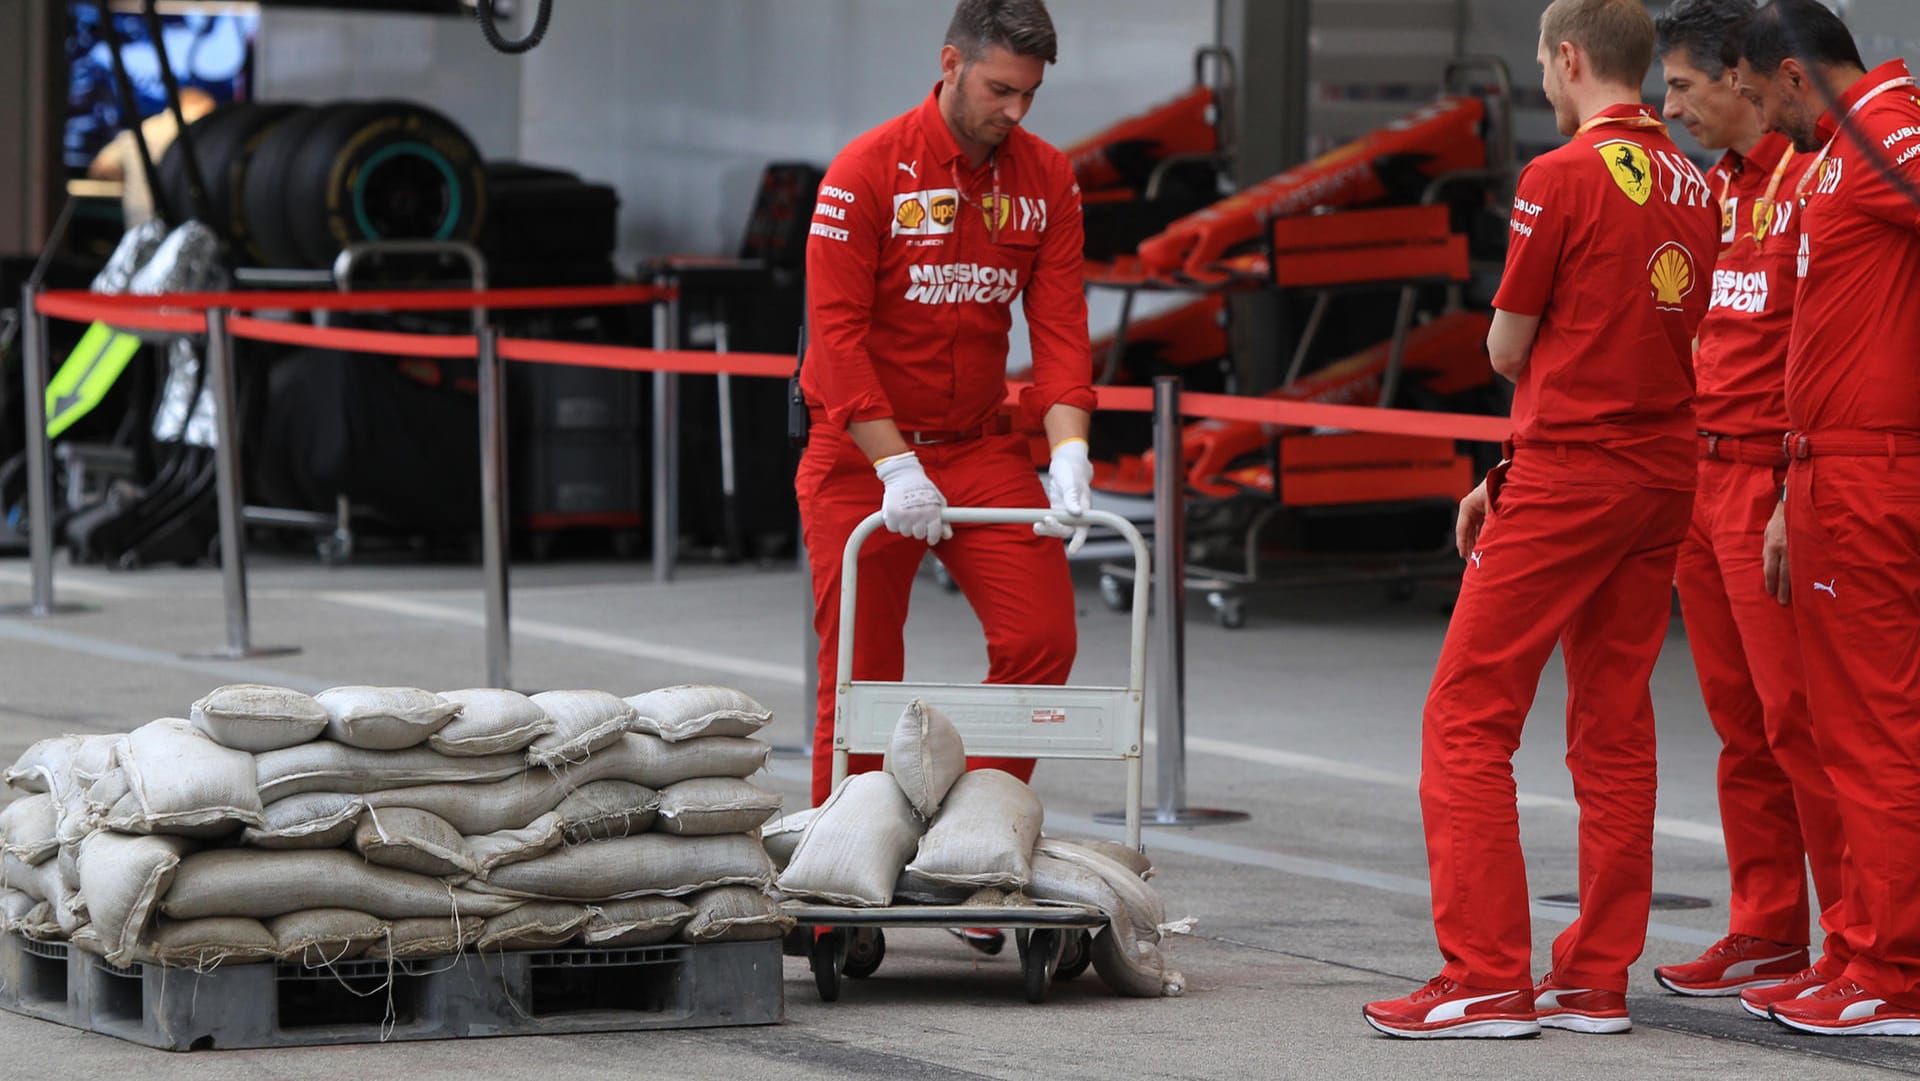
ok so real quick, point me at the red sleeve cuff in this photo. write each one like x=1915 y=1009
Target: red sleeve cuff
x=1036 y=400
x=861 y=407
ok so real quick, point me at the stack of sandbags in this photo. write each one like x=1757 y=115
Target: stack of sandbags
x=924 y=830
x=371 y=821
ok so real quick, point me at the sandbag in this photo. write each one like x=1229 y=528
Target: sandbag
x=409 y=839
x=781 y=836
x=606 y=809
x=27 y=828
x=308 y=820
x=14 y=906
x=206 y=944
x=637 y=921
x=428 y=936
x=384 y=718
x=331 y=767
x=855 y=848
x=108 y=789
x=536 y=925
x=255 y=717
x=123 y=877
x=912 y=889
x=318 y=937
x=39 y=923
x=1127 y=963
x=734 y=914
x=651 y=761
x=504 y=847
x=925 y=756
x=583 y=722
x=181 y=782
x=87 y=940
x=1144 y=907
x=983 y=835
x=1125 y=855
x=647 y=864
x=244 y=882
x=692 y=710
x=706 y=806
x=491 y=721
x=63 y=761
x=36 y=880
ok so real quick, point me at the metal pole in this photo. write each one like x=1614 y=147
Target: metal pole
x=666 y=442
x=33 y=363
x=1170 y=606
x=493 y=503
x=729 y=493
x=230 y=490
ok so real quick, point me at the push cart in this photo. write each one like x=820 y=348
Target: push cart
x=1002 y=720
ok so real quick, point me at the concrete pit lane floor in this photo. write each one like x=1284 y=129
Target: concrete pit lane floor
x=1308 y=718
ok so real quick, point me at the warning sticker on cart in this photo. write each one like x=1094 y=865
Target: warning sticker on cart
x=1049 y=716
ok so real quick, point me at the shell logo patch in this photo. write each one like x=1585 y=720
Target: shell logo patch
x=1671 y=275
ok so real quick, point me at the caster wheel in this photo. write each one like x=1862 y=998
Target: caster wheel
x=1111 y=592
x=1077 y=955
x=829 y=952
x=1229 y=612
x=865 y=950
x=1039 y=958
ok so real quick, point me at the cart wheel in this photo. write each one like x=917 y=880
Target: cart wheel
x=1038 y=961
x=829 y=951
x=864 y=952
x=1110 y=592
x=1229 y=612
x=1077 y=955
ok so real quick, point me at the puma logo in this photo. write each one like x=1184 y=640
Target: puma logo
x=1827 y=588
x=911 y=170
x=1475 y=560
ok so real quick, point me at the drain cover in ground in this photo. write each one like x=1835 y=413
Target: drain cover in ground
x=1666 y=902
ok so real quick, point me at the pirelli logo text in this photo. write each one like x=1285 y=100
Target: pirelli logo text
x=962 y=283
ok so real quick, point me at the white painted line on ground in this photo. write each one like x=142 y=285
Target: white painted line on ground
x=22 y=576
x=222 y=671
x=620 y=645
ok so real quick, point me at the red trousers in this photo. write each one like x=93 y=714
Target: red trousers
x=1853 y=551
x=1573 y=557
x=1776 y=803
x=1017 y=582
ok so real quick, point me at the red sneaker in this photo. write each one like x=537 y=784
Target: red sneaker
x=1580 y=1009
x=1732 y=964
x=1444 y=1009
x=1758 y=1000
x=1844 y=1008
x=985 y=939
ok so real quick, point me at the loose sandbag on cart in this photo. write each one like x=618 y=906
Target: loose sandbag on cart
x=1143 y=904
x=636 y=921
x=384 y=718
x=707 y=806
x=692 y=710
x=983 y=835
x=735 y=914
x=181 y=782
x=781 y=836
x=1131 y=858
x=857 y=845
x=583 y=722
x=925 y=756
x=491 y=721
x=254 y=717
x=1128 y=963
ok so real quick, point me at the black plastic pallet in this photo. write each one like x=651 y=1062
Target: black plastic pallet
x=545 y=993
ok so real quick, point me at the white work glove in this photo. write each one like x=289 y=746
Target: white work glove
x=1069 y=485
x=912 y=505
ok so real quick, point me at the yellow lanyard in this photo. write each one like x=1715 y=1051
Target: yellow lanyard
x=1639 y=120
x=997 y=210
x=1820 y=163
x=1762 y=210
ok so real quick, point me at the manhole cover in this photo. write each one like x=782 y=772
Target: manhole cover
x=1664 y=902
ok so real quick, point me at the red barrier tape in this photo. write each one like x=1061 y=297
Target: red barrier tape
x=85 y=308
x=108 y=308
x=355 y=341
x=624 y=358
x=1284 y=414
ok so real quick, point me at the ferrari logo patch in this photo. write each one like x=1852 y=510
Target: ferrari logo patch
x=1630 y=167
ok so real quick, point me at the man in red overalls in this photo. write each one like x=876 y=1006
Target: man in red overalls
x=1608 y=274
x=1844 y=545
x=1776 y=803
x=927 y=229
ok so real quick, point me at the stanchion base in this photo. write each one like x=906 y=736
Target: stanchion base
x=228 y=653
x=28 y=610
x=1180 y=816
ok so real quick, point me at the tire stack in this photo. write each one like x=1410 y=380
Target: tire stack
x=288 y=186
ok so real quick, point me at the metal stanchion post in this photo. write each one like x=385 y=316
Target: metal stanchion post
x=666 y=442
x=493 y=503
x=227 y=482
x=33 y=366
x=1170 y=609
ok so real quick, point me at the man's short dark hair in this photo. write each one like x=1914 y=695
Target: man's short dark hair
x=1807 y=30
x=1022 y=27
x=1708 y=31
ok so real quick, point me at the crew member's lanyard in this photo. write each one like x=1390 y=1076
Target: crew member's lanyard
x=1820 y=162
x=1762 y=210
x=993 y=212
x=1641 y=119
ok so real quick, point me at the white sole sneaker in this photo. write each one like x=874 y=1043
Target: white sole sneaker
x=1470 y=1030
x=1579 y=1022
x=1889 y=1027
x=1715 y=992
